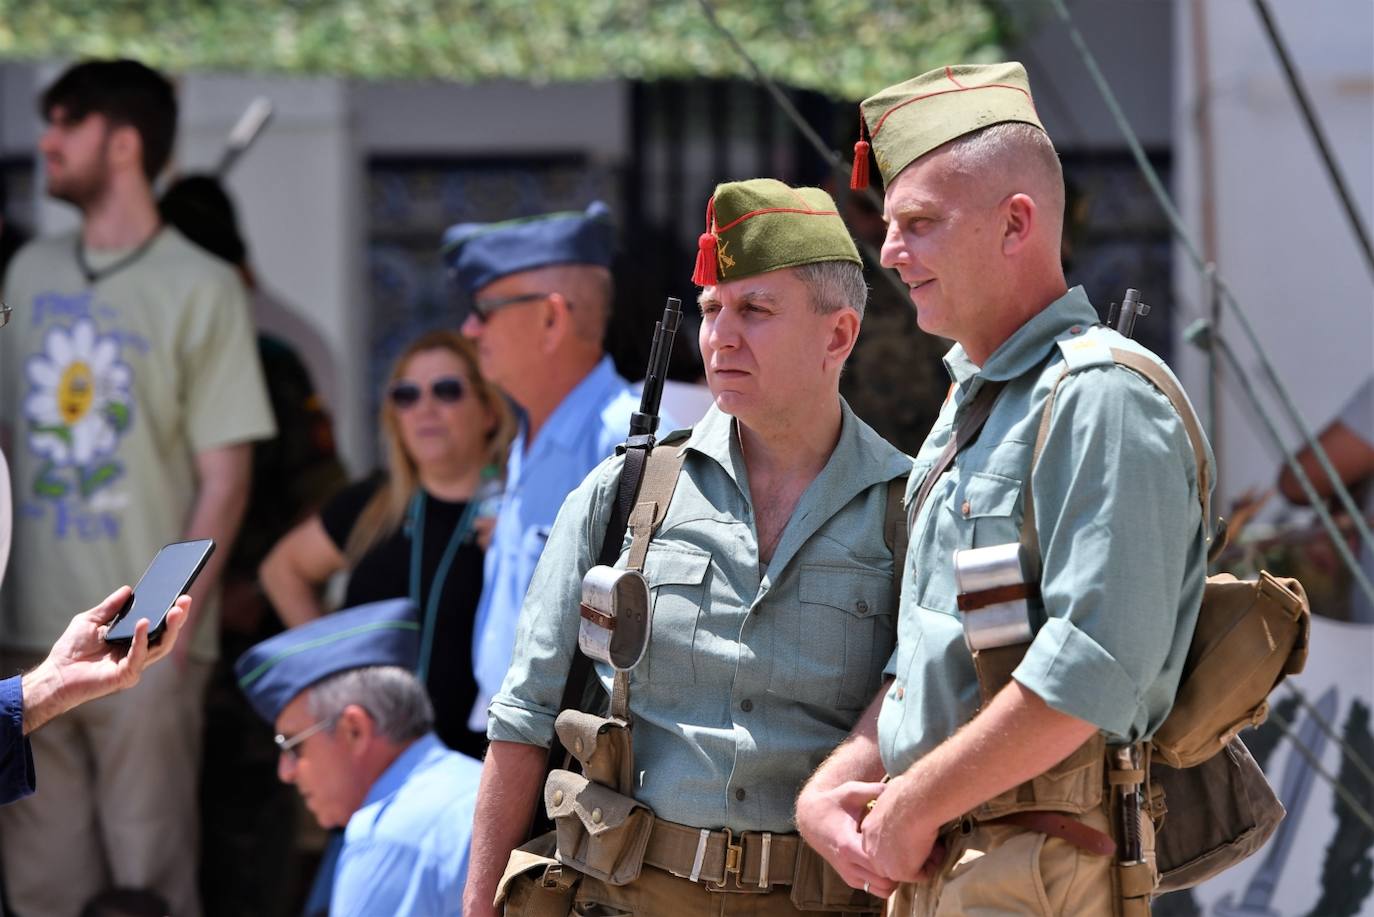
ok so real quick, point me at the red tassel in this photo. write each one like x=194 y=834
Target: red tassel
x=858 y=176
x=705 y=273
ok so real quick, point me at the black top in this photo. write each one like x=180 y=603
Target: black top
x=384 y=573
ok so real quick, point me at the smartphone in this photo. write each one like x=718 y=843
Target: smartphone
x=168 y=577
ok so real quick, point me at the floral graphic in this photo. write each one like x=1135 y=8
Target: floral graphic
x=78 y=406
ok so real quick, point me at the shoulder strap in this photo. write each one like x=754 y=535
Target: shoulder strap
x=1153 y=373
x=896 y=535
x=657 y=481
x=655 y=493
x=965 y=432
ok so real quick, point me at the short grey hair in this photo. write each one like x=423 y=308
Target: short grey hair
x=834 y=285
x=391 y=695
x=1018 y=150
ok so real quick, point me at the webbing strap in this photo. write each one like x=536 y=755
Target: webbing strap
x=895 y=536
x=655 y=493
x=965 y=432
x=1156 y=376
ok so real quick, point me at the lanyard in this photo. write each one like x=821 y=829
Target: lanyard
x=415 y=521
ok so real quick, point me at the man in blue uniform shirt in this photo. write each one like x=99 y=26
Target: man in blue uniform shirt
x=355 y=733
x=541 y=298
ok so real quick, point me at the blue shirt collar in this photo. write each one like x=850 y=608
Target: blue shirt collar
x=419 y=755
x=1028 y=345
x=569 y=421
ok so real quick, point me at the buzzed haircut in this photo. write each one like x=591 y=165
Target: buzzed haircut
x=127 y=94
x=1018 y=152
x=589 y=289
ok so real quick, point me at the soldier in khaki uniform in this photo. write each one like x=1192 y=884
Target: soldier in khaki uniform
x=773 y=594
x=1000 y=800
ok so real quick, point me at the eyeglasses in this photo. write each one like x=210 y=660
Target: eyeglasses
x=446 y=390
x=287 y=746
x=483 y=309
x=5 y=313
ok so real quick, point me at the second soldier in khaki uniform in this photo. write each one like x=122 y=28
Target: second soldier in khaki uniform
x=1002 y=798
x=773 y=599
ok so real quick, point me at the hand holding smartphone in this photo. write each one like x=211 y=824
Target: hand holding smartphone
x=168 y=577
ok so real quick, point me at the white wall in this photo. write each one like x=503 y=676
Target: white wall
x=1282 y=240
x=298 y=191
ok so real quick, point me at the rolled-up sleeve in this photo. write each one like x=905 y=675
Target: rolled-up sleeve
x=1119 y=523
x=546 y=635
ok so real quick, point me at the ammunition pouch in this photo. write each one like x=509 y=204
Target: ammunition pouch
x=1073 y=786
x=602 y=745
x=816 y=886
x=535 y=884
x=601 y=833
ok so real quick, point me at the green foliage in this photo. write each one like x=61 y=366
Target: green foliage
x=847 y=48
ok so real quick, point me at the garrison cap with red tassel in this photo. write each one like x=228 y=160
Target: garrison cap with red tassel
x=906 y=121
x=762 y=225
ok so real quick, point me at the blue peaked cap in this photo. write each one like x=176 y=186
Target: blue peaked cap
x=277 y=669
x=480 y=253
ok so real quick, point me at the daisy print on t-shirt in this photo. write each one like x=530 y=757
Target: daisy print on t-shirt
x=78 y=406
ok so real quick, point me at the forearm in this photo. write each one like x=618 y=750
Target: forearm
x=857 y=757
x=294 y=596
x=510 y=788
x=1016 y=737
x=42 y=690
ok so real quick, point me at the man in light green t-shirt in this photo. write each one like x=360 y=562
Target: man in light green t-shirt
x=131 y=392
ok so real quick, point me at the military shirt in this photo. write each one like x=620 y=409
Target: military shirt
x=585 y=428
x=752 y=675
x=1121 y=537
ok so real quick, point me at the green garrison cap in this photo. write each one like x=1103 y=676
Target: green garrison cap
x=907 y=121
x=762 y=225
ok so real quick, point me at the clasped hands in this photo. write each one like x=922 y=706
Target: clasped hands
x=872 y=833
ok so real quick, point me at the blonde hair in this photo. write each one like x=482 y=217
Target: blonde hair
x=384 y=512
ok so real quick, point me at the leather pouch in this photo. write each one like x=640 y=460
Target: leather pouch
x=601 y=833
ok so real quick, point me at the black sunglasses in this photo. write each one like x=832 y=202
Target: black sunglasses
x=447 y=390
x=486 y=308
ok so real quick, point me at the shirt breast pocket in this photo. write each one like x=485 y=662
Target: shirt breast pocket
x=988 y=502
x=677 y=580
x=829 y=647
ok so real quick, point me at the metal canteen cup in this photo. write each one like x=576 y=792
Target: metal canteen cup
x=995 y=611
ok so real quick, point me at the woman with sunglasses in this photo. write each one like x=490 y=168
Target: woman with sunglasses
x=411 y=531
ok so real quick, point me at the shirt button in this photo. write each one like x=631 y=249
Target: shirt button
x=558 y=797
x=901 y=693
x=966 y=508
x=861 y=607
x=596 y=816
x=746 y=705
x=740 y=794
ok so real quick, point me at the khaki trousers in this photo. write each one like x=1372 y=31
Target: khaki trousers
x=116 y=800
x=661 y=894
x=1003 y=870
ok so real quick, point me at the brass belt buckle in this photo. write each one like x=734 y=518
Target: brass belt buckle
x=734 y=863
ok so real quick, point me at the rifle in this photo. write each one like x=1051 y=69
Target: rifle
x=621 y=647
